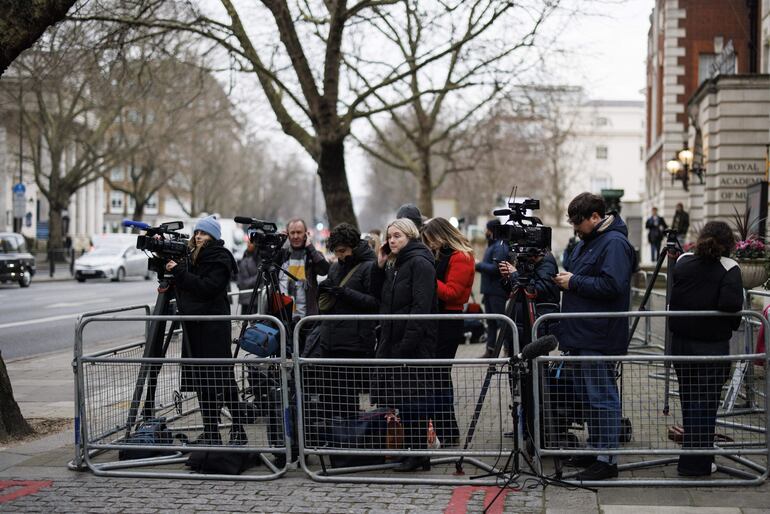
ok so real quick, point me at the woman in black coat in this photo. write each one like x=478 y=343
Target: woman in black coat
x=705 y=279
x=201 y=288
x=346 y=290
x=405 y=281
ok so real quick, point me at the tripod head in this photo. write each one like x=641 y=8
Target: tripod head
x=673 y=248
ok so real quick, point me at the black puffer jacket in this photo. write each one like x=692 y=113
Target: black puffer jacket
x=351 y=338
x=409 y=287
x=201 y=288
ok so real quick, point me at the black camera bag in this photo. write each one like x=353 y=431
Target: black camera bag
x=151 y=432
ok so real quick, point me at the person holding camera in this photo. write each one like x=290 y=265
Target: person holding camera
x=404 y=281
x=300 y=258
x=201 y=289
x=346 y=290
x=454 y=281
x=708 y=280
x=598 y=280
x=548 y=295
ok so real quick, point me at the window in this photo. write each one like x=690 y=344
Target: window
x=601 y=152
x=599 y=183
x=704 y=66
x=641 y=153
x=117 y=175
x=601 y=122
x=116 y=201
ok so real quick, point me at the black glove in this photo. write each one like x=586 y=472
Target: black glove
x=336 y=290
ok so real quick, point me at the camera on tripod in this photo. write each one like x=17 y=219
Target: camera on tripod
x=171 y=245
x=265 y=235
x=524 y=234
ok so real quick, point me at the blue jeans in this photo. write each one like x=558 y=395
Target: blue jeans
x=595 y=383
x=654 y=251
x=494 y=305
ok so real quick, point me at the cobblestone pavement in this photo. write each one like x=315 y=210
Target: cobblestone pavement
x=87 y=493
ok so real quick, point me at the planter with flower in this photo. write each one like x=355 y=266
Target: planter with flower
x=752 y=257
x=750 y=251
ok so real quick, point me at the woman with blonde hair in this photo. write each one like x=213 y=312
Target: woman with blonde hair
x=404 y=281
x=455 y=270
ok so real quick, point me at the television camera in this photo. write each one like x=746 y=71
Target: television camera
x=525 y=235
x=264 y=235
x=165 y=241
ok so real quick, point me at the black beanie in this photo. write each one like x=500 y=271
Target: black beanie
x=410 y=211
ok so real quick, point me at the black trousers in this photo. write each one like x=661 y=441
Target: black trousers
x=700 y=389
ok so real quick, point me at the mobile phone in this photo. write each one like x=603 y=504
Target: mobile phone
x=386 y=248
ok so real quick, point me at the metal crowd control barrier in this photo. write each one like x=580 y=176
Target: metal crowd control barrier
x=564 y=414
x=335 y=417
x=77 y=462
x=106 y=380
x=652 y=338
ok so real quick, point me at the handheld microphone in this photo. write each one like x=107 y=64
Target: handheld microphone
x=141 y=225
x=540 y=346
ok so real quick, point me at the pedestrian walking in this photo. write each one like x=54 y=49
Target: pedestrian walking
x=655 y=226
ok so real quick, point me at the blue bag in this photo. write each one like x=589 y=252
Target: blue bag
x=261 y=340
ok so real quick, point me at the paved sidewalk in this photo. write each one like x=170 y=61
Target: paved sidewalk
x=34 y=478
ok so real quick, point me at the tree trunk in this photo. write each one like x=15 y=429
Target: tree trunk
x=334 y=184
x=12 y=423
x=23 y=21
x=138 y=210
x=425 y=197
x=55 y=237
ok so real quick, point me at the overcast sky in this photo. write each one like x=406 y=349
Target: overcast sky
x=610 y=50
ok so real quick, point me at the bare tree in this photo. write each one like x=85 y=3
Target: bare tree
x=529 y=136
x=68 y=87
x=445 y=99
x=156 y=127
x=22 y=22
x=297 y=61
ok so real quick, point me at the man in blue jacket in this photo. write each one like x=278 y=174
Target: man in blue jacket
x=491 y=286
x=598 y=279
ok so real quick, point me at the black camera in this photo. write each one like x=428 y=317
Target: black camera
x=524 y=234
x=171 y=245
x=264 y=235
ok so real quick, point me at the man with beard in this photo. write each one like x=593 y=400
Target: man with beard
x=598 y=280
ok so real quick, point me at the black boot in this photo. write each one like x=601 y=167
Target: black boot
x=412 y=463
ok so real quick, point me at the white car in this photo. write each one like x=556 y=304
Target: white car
x=115 y=262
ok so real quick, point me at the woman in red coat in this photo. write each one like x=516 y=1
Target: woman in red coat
x=455 y=270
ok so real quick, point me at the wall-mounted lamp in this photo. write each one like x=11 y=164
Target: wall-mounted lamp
x=681 y=167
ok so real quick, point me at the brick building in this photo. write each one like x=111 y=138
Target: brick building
x=706 y=92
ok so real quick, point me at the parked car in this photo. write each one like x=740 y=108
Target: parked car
x=115 y=262
x=16 y=263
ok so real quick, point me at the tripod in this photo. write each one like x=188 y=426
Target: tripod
x=523 y=297
x=155 y=347
x=267 y=279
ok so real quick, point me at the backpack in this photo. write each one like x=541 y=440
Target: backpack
x=151 y=432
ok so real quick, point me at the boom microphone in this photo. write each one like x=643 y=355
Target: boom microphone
x=540 y=346
x=243 y=220
x=141 y=225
